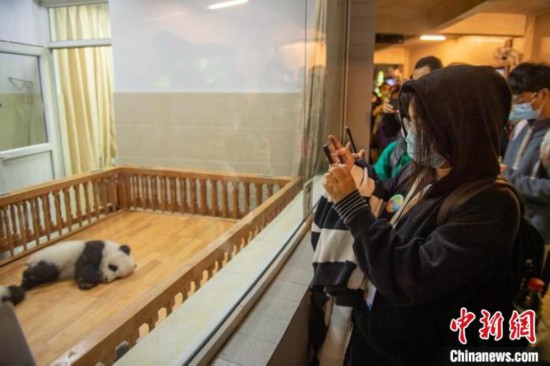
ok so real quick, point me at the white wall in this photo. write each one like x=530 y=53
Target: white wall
x=168 y=45
x=475 y=50
x=538 y=35
x=391 y=55
x=22 y=21
x=211 y=89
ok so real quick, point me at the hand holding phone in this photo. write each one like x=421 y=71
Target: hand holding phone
x=328 y=154
x=331 y=151
x=395 y=104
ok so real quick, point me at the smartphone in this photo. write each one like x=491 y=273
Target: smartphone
x=329 y=148
x=395 y=104
x=328 y=154
x=350 y=139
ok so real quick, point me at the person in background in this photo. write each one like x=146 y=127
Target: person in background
x=394 y=156
x=530 y=85
x=395 y=74
x=526 y=157
x=426 y=65
x=511 y=130
x=376 y=107
x=376 y=118
x=544 y=168
x=385 y=90
x=424 y=272
x=516 y=123
x=422 y=67
x=387 y=127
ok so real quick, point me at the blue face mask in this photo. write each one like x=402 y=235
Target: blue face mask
x=523 y=111
x=436 y=160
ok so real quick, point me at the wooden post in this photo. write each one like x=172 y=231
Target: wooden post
x=246 y=198
x=204 y=204
x=225 y=199
x=214 y=197
x=235 y=199
x=193 y=189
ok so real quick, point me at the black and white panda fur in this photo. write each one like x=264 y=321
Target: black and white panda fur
x=13 y=294
x=88 y=262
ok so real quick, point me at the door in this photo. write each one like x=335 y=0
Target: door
x=27 y=154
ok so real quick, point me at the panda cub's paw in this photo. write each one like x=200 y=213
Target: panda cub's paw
x=85 y=285
x=13 y=294
x=87 y=278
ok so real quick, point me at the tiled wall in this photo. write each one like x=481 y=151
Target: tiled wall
x=230 y=132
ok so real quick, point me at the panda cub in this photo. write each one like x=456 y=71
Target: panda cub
x=88 y=262
x=13 y=294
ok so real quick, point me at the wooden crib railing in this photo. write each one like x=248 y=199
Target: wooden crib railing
x=195 y=192
x=38 y=216
x=35 y=217
x=43 y=214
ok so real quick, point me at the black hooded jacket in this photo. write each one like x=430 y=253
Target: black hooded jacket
x=425 y=273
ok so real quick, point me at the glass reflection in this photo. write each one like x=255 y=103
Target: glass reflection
x=21 y=108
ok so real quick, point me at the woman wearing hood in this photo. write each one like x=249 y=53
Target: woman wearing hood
x=423 y=271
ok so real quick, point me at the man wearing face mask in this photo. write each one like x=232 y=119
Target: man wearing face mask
x=516 y=121
x=530 y=86
x=515 y=124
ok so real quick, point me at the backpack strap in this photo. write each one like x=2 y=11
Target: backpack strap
x=461 y=195
x=397 y=153
x=405 y=175
x=464 y=193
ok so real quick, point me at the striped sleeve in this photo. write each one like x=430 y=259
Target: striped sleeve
x=350 y=206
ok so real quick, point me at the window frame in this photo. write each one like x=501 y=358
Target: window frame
x=41 y=53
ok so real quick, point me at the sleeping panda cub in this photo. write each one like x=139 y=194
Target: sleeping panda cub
x=13 y=294
x=88 y=262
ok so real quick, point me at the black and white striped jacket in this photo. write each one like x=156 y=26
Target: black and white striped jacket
x=338 y=283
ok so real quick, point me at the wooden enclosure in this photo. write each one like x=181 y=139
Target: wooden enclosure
x=71 y=208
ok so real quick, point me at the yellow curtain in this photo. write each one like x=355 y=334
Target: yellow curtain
x=85 y=88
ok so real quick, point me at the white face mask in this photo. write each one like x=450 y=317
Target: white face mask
x=523 y=111
x=436 y=160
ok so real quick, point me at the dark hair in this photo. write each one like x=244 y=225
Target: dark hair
x=431 y=61
x=529 y=77
x=462 y=124
x=394 y=91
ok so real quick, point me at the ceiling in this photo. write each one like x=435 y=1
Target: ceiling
x=415 y=17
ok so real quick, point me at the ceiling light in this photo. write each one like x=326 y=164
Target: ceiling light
x=226 y=4
x=433 y=37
